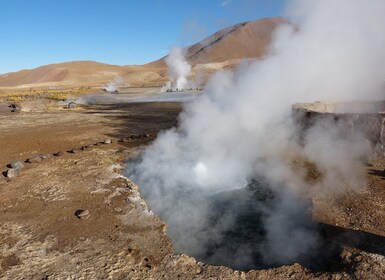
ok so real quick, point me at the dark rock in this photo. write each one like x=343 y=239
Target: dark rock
x=34 y=159
x=82 y=213
x=17 y=164
x=71 y=105
x=15 y=108
x=58 y=154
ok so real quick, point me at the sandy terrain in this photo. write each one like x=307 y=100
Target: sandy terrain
x=119 y=237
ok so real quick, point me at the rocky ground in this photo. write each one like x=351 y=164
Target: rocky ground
x=72 y=215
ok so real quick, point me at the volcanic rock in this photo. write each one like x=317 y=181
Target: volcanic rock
x=58 y=154
x=82 y=213
x=17 y=164
x=12 y=173
x=71 y=105
x=34 y=159
x=44 y=156
x=15 y=108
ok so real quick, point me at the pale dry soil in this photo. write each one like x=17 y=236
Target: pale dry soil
x=120 y=238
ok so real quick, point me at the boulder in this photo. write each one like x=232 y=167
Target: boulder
x=71 y=105
x=44 y=156
x=75 y=151
x=58 y=154
x=15 y=108
x=17 y=164
x=34 y=159
x=134 y=136
x=82 y=213
x=12 y=173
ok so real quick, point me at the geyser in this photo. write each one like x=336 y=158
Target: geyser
x=114 y=84
x=241 y=128
x=178 y=70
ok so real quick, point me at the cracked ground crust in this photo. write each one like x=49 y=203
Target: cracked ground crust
x=41 y=238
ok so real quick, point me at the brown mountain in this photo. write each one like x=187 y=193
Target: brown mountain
x=222 y=49
x=243 y=40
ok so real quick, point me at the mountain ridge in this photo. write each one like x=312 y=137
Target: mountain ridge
x=245 y=40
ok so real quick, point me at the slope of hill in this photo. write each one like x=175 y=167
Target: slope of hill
x=58 y=73
x=243 y=40
x=225 y=47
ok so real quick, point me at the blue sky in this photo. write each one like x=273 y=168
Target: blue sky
x=39 y=32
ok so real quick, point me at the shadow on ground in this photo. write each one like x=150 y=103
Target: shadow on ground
x=379 y=173
x=137 y=118
x=247 y=233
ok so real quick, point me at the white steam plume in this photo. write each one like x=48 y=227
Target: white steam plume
x=113 y=85
x=178 y=70
x=241 y=129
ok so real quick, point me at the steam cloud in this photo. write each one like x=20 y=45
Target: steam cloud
x=241 y=131
x=113 y=85
x=178 y=70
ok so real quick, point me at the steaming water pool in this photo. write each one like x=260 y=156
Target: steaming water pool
x=109 y=98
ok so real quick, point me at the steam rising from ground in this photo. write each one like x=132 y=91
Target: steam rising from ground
x=241 y=130
x=113 y=85
x=178 y=70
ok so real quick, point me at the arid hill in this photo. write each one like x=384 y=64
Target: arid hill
x=243 y=40
x=223 y=49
